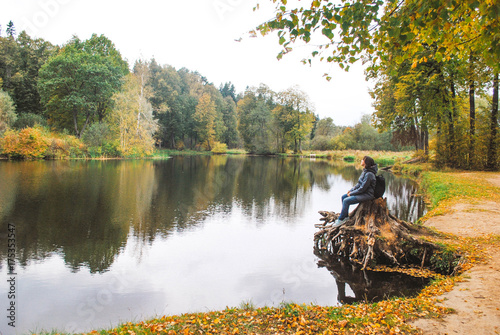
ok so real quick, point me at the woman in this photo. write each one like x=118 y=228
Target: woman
x=362 y=191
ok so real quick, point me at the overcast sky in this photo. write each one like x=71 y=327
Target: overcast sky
x=201 y=36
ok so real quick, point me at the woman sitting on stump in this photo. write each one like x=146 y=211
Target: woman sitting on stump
x=362 y=191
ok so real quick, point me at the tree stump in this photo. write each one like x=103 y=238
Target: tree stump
x=372 y=236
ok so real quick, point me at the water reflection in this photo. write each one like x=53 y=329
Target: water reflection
x=86 y=210
x=367 y=286
x=185 y=233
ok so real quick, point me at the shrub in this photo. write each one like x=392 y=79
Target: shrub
x=58 y=149
x=349 y=158
x=29 y=143
x=110 y=149
x=321 y=142
x=180 y=145
x=385 y=161
x=76 y=147
x=95 y=152
x=337 y=143
x=219 y=148
x=96 y=135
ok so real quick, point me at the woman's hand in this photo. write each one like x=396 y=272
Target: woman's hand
x=348 y=193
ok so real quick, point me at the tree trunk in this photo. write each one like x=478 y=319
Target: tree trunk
x=492 y=146
x=472 y=115
x=373 y=236
x=452 y=117
x=472 y=124
x=75 y=123
x=426 y=142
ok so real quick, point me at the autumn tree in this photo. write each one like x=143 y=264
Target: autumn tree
x=256 y=120
x=166 y=86
x=132 y=119
x=420 y=50
x=295 y=113
x=205 y=121
x=349 y=30
x=77 y=84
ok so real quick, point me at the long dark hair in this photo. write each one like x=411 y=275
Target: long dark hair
x=369 y=162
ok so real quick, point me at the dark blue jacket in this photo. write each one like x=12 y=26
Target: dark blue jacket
x=365 y=188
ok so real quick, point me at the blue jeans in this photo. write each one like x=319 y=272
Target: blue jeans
x=346 y=202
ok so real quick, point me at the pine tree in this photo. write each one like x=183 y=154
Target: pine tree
x=11 y=30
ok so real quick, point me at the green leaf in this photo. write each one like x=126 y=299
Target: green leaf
x=328 y=33
x=438 y=56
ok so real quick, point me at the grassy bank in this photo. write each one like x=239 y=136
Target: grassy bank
x=165 y=153
x=446 y=188
x=387 y=317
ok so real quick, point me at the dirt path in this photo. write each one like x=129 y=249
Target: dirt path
x=476 y=300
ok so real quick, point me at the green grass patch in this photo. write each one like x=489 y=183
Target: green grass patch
x=236 y=152
x=385 y=161
x=442 y=186
x=349 y=159
x=171 y=152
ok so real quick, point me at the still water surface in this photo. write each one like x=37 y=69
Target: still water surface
x=99 y=243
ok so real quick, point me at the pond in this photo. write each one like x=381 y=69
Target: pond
x=103 y=242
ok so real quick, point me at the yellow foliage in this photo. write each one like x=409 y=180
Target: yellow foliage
x=29 y=143
x=219 y=148
x=132 y=120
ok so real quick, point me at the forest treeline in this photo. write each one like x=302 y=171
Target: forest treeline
x=83 y=98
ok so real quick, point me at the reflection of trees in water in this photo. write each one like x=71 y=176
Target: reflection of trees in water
x=193 y=187
x=61 y=209
x=84 y=210
x=278 y=185
x=403 y=200
x=367 y=285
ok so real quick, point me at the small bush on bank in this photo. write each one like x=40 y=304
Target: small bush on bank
x=38 y=143
x=349 y=158
x=219 y=148
x=29 y=143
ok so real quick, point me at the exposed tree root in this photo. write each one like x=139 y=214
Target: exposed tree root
x=373 y=236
